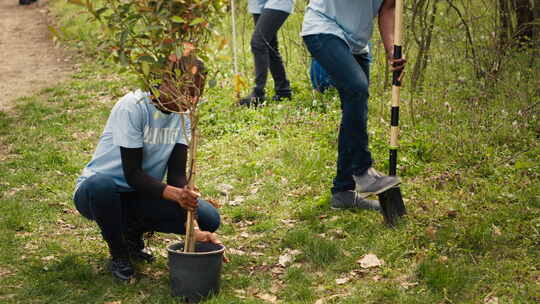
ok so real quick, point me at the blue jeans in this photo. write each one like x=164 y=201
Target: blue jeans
x=351 y=76
x=98 y=199
x=265 y=49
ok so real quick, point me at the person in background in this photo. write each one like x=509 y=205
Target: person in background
x=336 y=33
x=121 y=188
x=269 y=16
x=26 y=2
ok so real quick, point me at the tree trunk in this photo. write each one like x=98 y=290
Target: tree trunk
x=524 y=26
x=536 y=26
x=505 y=20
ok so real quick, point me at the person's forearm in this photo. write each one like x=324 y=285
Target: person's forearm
x=386 y=26
x=145 y=184
x=176 y=166
x=139 y=180
x=177 y=180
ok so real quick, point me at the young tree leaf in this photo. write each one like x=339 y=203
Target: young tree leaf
x=196 y=21
x=145 y=68
x=178 y=19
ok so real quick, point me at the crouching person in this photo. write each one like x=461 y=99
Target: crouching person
x=121 y=188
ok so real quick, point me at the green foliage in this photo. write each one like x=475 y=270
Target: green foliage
x=149 y=36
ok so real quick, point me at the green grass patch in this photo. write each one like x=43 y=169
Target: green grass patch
x=469 y=160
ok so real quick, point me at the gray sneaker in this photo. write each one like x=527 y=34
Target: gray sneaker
x=373 y=182
x=351 y=200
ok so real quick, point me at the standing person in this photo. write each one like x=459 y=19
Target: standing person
x=121 y=188
x=269 y=16
x=336 y=33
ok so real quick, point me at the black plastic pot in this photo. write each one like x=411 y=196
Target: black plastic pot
x=195 y=275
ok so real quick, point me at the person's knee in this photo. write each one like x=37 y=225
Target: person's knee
x=257 y=44
x=209 y=219
x=101 y=189
x=357 y=87
x=100 y=183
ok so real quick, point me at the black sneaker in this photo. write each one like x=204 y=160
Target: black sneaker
x=141 y=256
x=251 y=100
x=134 y=237
x=121 y=268
x=279 y=97
x=373 y=182
x=351 y=200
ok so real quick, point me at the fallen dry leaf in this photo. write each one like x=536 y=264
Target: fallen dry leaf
x=288 y=222
x=113 y=302
x=491 y=300
x=278 y=270
x=496 y=230
x=285 y=259
x=406 y=285
x=224 y=189
x=30 y=246
x=237 y=200
x=236 y=251
x=48 y=258
x=240 y=291
x=294 y=252
x=431 y=232
x=276 y=287
x=342 y=281
x=5 y=272
x=452 y=213
x=370 y=260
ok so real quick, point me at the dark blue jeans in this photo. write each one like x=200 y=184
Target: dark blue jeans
x=98 y=199
x=265 y=49
x=351 y=76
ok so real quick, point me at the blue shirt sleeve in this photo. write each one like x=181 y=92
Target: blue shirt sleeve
x=127 y=125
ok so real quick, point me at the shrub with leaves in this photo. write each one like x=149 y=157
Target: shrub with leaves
x=148 y=36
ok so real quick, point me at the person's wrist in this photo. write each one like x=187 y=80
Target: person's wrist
x=166 y=194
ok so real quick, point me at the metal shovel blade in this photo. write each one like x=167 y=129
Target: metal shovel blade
x=392 y=205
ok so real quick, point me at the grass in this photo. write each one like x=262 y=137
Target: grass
x=470 y=162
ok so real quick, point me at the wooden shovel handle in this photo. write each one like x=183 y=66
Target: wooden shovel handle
x=396 y=85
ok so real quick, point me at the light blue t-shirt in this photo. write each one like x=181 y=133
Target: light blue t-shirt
x=350 y=20
x=135 y=122
x=256 y=6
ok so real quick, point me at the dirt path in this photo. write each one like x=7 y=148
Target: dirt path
x=28 y=59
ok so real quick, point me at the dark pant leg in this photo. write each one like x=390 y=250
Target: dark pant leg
x=266 y=53
x=168 y=217
x=351 y=80
x=98 y=199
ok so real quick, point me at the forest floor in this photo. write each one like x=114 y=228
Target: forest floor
x=30 y=61
x=469 y=160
